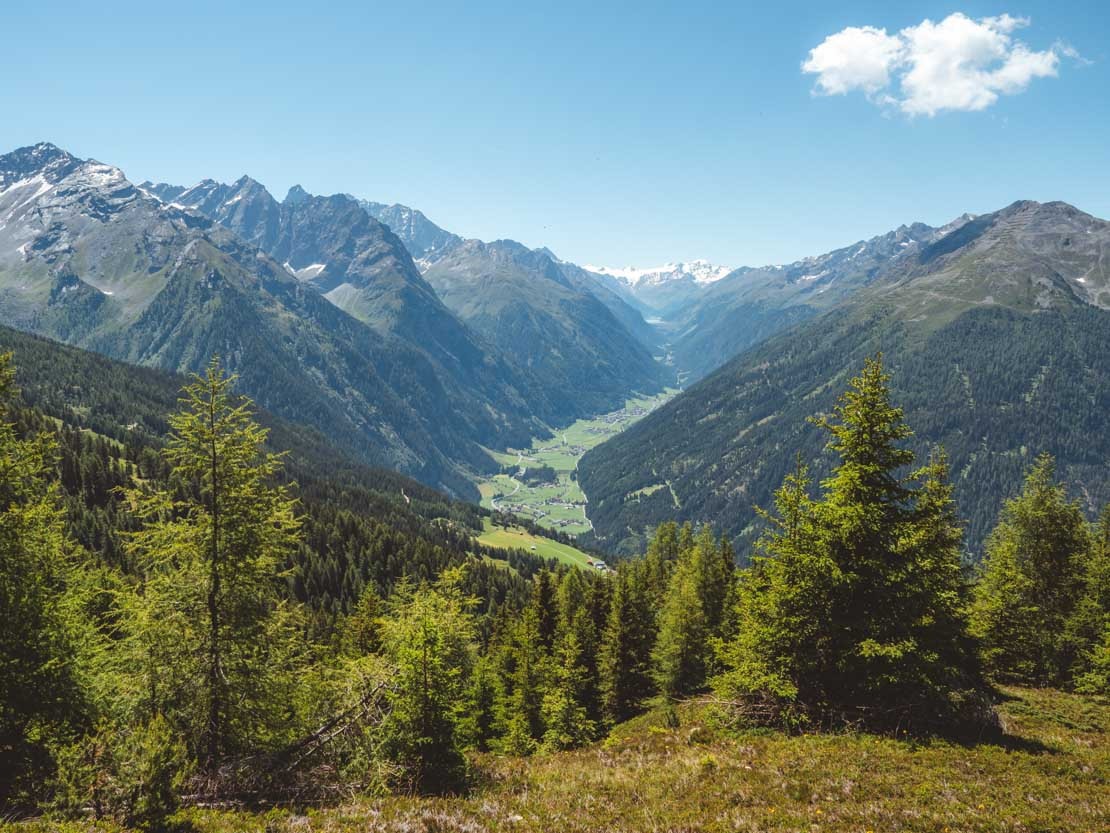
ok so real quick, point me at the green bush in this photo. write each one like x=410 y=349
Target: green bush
x=130 y=775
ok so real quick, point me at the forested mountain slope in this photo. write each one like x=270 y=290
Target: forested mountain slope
x=87 y=258
x=521 y=299
x=995 y=335
x=364 y=526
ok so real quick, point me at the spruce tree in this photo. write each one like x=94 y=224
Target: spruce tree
x=679 y=654
x=691 y=615
x=1032 y=579
x=854 y=612
x=625 y=661
x=566 y=723
x=429 y=641
x=1088 y=628
x=520 y=704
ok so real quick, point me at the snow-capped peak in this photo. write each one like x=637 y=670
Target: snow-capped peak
x=701 y=271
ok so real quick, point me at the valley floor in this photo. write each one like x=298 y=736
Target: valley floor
x=559 y=503
x=1052 y=773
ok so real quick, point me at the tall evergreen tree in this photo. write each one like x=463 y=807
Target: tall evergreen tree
x=625 y=662
x=662 y=553
x=566 y=722
x=520 y=705
x=429 y=641
x=681 y=648
x=39 y=697
x=691 y=615
x=855 y=612
x=1032 y=579
x=1088 y=628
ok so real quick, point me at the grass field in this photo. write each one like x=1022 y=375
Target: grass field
x=1049 y=774
x=518 y=538
x=561 y=504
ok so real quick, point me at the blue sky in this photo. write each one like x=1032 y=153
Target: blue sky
x=614 y=133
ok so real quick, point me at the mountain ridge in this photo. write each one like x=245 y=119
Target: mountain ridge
x=89 y=258
x=992 y=333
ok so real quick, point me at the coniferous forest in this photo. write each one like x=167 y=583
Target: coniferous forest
x=192 y=617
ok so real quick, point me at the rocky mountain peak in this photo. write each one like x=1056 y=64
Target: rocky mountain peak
x=296 y=195
x=42 y=159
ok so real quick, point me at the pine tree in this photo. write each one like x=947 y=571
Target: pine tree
x=1032 y=579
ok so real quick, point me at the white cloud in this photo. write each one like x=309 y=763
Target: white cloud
x=856 y=58
x=956 y=64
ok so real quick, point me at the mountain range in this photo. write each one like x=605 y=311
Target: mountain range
x=484 y=313
x=413 y=348
x=994 y=329
x=317 y=306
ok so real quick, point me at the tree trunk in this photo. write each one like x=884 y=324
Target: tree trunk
x=215 y=705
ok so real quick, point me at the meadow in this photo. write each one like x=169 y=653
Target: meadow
x=1050 y=771
x=521 y=539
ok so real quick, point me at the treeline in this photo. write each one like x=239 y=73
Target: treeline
x=189 y=671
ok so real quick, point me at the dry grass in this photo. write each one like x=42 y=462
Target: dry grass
x=1052 y=774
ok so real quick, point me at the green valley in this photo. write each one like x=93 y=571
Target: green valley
x=540 y=482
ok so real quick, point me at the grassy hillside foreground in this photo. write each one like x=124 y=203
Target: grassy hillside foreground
x=1052 y=773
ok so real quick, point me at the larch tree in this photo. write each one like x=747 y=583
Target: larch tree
x=39 y=696
x=215 y=644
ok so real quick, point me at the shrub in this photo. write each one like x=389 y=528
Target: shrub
x=131 y=776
